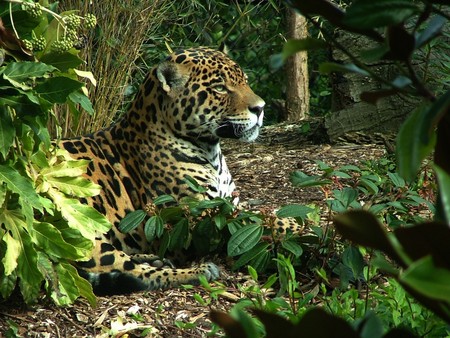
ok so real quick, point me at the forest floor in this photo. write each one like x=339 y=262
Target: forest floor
x=261 y=171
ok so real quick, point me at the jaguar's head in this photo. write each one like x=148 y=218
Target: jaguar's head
x=203 y=95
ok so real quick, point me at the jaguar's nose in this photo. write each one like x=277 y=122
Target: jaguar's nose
x=257 y=109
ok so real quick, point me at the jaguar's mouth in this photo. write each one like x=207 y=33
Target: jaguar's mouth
x=244 y=132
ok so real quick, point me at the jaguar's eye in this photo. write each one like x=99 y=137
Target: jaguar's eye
x=220 y=89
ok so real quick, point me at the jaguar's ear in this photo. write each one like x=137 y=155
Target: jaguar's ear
x=224 y=48
x=172 y=76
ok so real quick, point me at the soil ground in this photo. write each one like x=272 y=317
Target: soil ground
x=261 y=171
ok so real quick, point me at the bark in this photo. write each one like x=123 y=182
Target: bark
x=349 y=113
x=297 y=89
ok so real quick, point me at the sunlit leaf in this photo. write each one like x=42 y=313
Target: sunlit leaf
x=20 y=185
x=80 y=216
x=50 y=239
x=11 y=255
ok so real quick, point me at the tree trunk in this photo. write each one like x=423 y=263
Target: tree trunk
x=297 y=84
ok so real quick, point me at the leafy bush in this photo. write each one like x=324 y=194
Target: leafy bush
x=209 y=226
x=418 y=252
x=43 y=224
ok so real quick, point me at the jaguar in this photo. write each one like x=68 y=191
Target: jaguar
x=185 y=105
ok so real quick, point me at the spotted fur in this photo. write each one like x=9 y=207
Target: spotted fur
x=184 y=106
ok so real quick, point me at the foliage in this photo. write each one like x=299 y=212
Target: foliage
x=209 y=226
x=417 y=250
x=382 y=311
x=43 y=224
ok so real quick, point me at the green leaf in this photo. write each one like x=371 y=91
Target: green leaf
x=74 y=186
x=11 y=255
x=244 y=239
x=194 y=185
x=30 y=277
x=426 y=278
x=7 y=284
x=330 y=67
x=220 y=221
x=63 y=61
x=153 y=226
x=80 y=216
x=67 y=168
x=432 y=30
x=293 y=46
x=7 y=131
x=132 y=220
x=398 y=181
x=163 y=199
x=179 y=235
x=365 y=182
x=293 y=247
x=302 y=180
x=248 y=256
x=415 y=141
x=209 y=204
x=352 y=258
x=79 y=98
x=363 y=228
x=364 y=14
x=50 y=239
x=24 y=70
x=443 y=179
x=57 y=89
x=20 y=185
x=294 y=210
x=84 y=288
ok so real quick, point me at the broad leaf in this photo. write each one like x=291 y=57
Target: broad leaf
x=83 y=286
x=179 y=235
x=57 y=89
x=300 y=179
x=74 y=186
x=363 y=228
x=11 y=255
x=22 y=71
x=352 y=258
x=50 y=239
x=293 y=247
x=294 y=210
x=330 y=67
x=20 y=185
x=153 y=227
x=248 y=256
x=163 y=199
x=79 y=98
x=414 y=142
x=132 y=220
x=364 y=14
x=7 y=131
x=444 y=189
x=433 y=29
x=63 y=61
x=244 y=239
x=80 y=216
x=426 y=278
